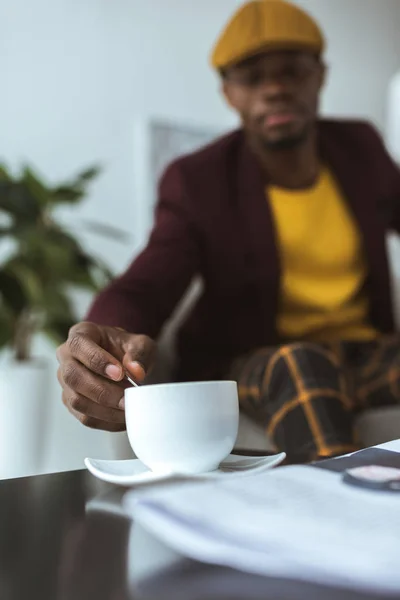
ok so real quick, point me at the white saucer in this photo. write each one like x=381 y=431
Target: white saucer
x=134 y=472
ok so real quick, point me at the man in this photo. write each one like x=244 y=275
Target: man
x=285 y=221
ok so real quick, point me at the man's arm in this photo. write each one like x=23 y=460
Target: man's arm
x=388 y=176
x=395 y=197
x=391 y=179
x=96 y=355
x=146 y=294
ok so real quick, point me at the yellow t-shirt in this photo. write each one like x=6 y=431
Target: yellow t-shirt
x=323 y=265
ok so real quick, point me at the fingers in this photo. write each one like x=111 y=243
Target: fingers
x=90 y=413
x=85 y=407
x=139 y=356
x=83 y=344
x=93 y=362
x=94 y=423
x=76 y=377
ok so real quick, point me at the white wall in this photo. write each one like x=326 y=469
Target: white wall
x=77 y=73
x=363 y=53
x=393 y=117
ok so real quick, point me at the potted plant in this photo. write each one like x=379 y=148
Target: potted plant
x=45 y=262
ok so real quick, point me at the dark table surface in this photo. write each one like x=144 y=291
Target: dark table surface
x=64 y=537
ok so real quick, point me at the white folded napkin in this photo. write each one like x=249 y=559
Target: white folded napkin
x=297 y=522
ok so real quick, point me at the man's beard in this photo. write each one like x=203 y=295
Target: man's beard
x=286 y=143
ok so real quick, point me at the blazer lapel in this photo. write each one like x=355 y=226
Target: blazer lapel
x=262 y=257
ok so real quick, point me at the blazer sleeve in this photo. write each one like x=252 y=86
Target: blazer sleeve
x=394 y=197
x=143 y=297
x=387 y=174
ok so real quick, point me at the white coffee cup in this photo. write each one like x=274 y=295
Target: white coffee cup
x=184 y=428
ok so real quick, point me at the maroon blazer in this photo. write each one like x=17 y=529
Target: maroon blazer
x=213 y=219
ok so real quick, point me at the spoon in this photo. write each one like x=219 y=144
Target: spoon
x=131 y=380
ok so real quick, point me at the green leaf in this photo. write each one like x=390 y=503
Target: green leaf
x=6 y=330
x=27 y=277
x=56 y=235
x=4 y=174
x=99 y=270
x=83 y=274
x=57 y=329
x=12 y=291
x=88 y=175
x=17 y=200
x=73 y=191
x=47 y=259
x=66 y=194
x=109 y=231
x=6 y=231
x=57 y=305
x=37 y=189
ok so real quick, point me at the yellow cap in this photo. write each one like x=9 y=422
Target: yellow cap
x=263 y=25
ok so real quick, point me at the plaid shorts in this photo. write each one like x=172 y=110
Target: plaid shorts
x=306 y=395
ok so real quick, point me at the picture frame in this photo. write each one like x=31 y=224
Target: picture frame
x=158 y=142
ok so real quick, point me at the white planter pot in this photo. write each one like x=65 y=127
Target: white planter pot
x=23 y=417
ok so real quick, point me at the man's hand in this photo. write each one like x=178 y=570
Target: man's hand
x=91 y=373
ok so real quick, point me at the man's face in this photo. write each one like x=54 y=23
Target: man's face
x=276 y=95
